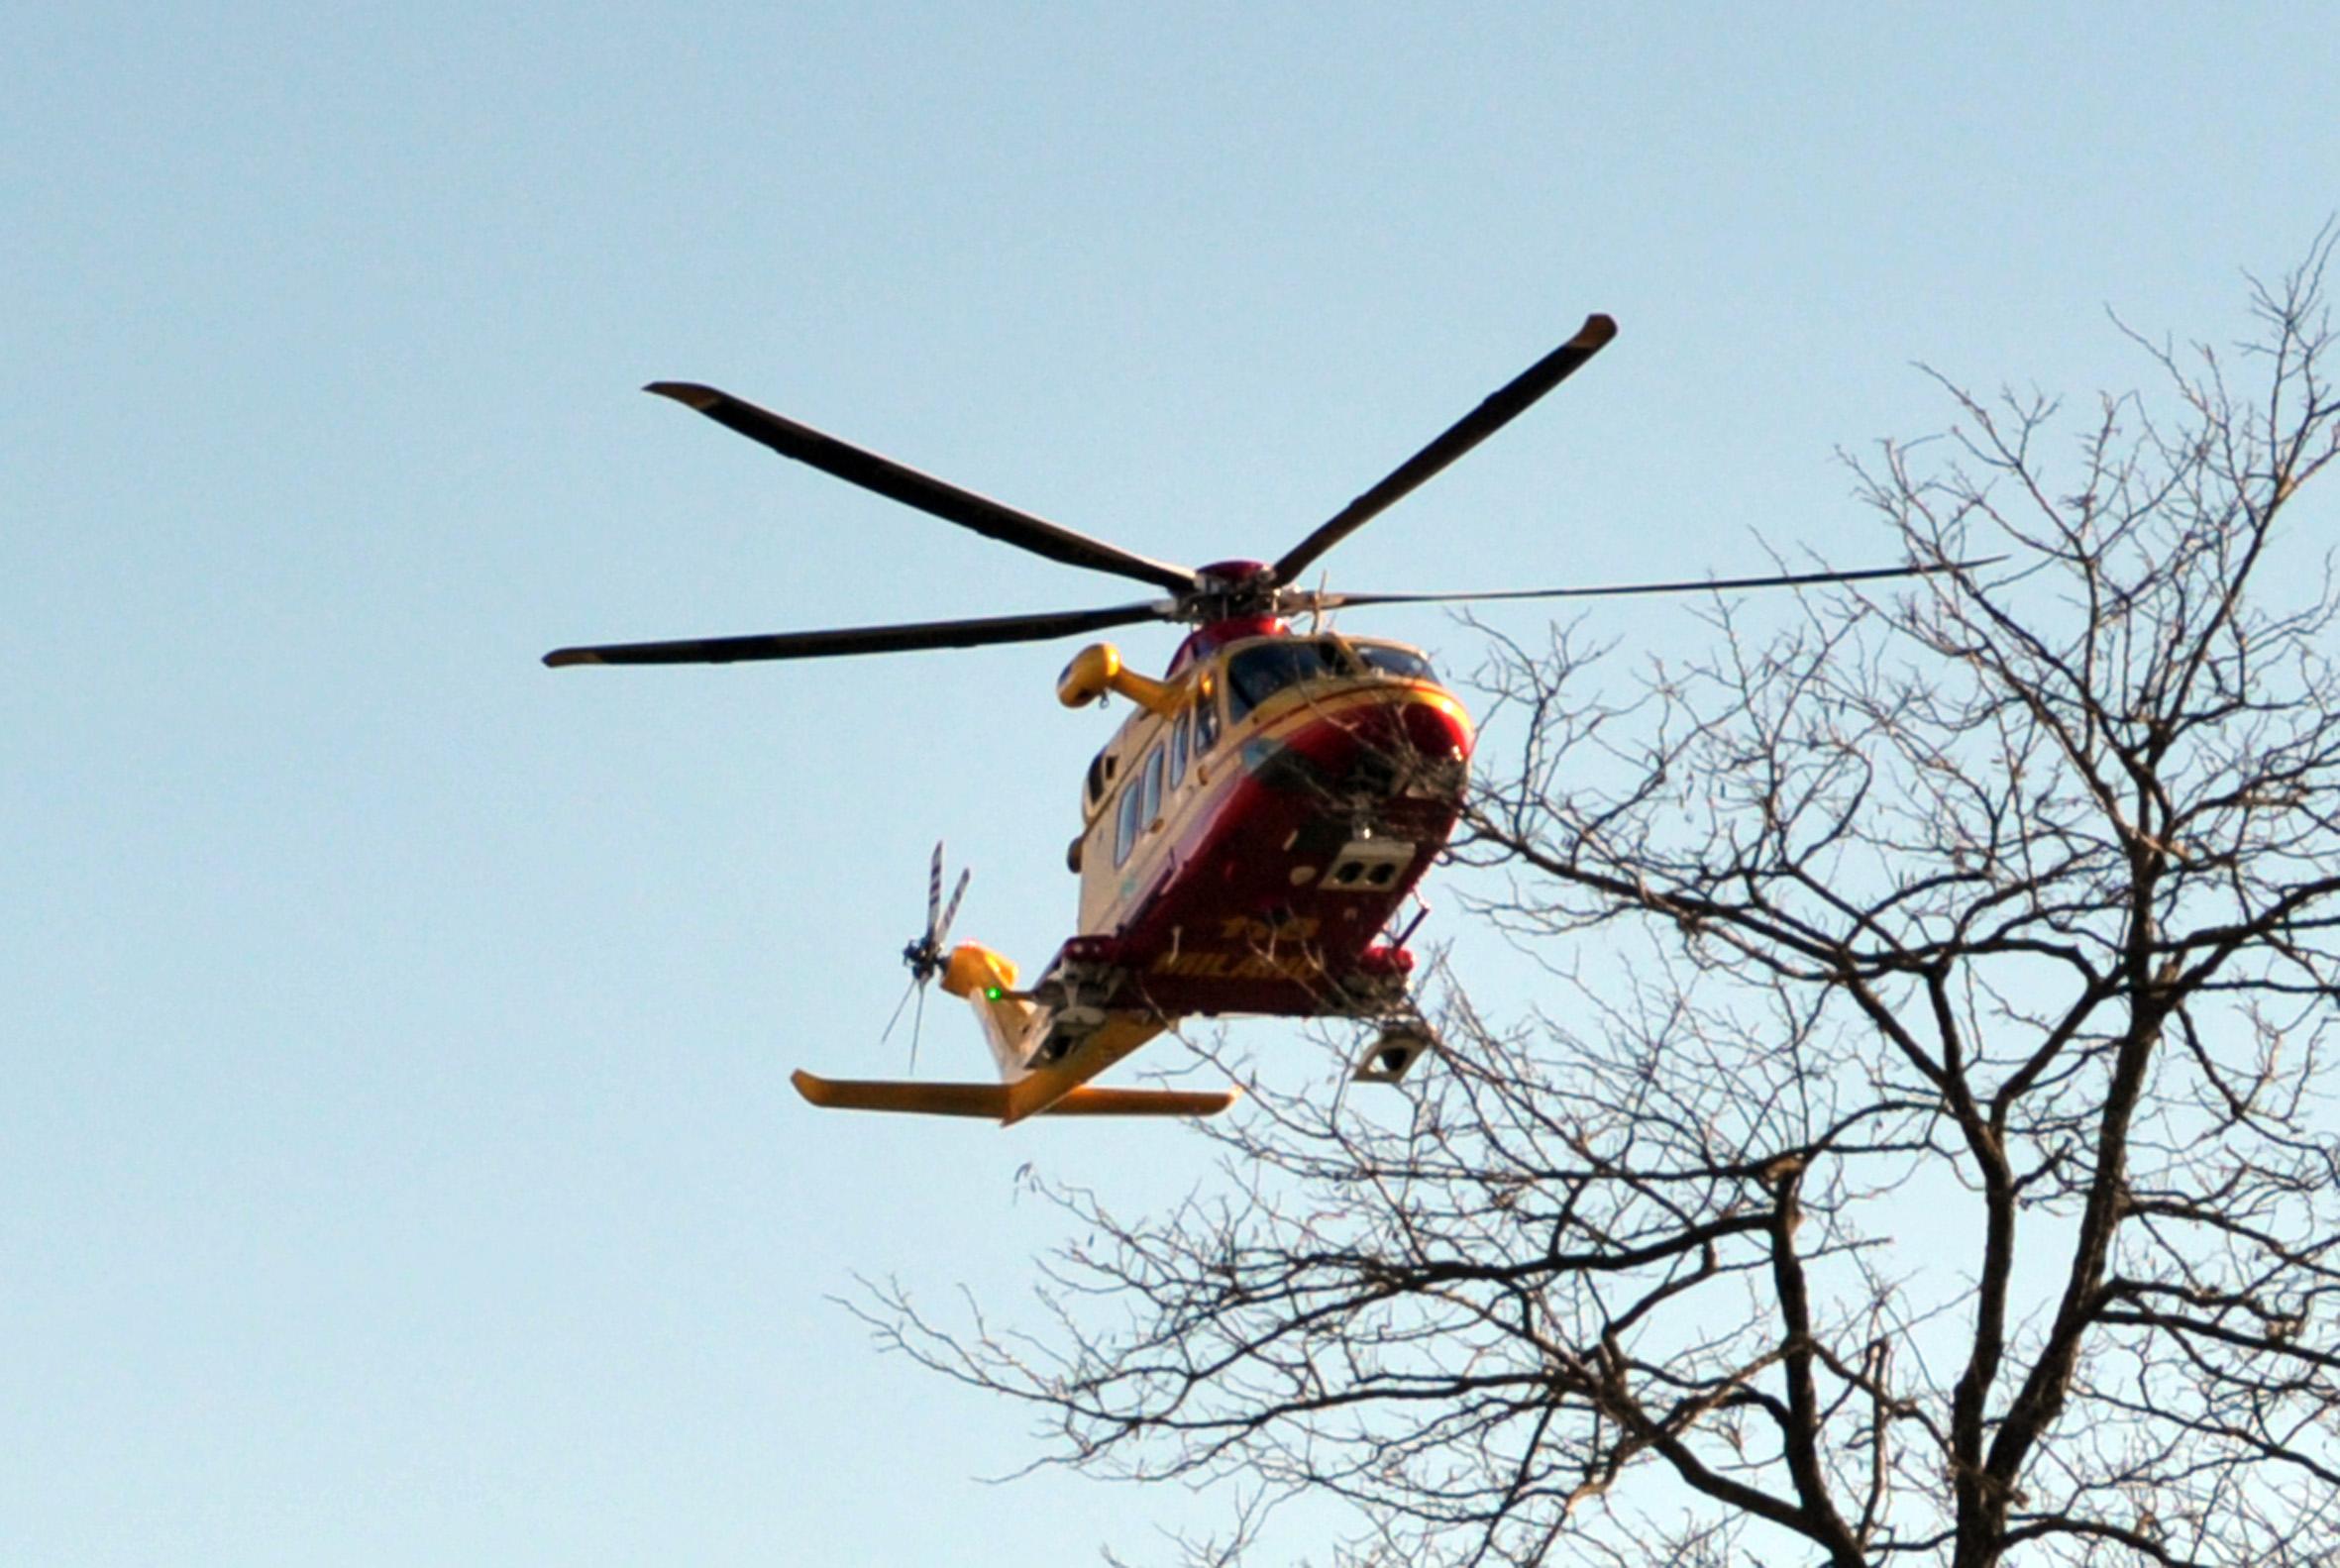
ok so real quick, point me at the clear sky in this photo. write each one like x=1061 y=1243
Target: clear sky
x=398 y=1164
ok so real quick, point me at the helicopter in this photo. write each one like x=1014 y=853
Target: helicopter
x=1253 y=827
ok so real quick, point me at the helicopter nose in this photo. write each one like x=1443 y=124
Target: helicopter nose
x=1432 y=749
x=1417 y=746
x=1436 y=730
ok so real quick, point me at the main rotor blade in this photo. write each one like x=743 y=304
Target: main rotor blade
x=1498 y=410
x=861 y=639
x=890 y=478
x=1338 y=602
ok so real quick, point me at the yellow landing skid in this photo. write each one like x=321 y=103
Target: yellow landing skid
x=1001 y=1102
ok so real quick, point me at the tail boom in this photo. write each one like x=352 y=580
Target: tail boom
x=1017 y=1031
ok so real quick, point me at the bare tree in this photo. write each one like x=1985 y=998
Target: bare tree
x=1919 y=1153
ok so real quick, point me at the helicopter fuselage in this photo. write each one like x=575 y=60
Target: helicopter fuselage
x=1256 y=822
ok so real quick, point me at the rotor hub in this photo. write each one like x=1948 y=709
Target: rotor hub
x=1225 y=590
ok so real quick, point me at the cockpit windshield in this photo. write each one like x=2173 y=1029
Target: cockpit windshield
x=1262 y=670
x=1389 y=659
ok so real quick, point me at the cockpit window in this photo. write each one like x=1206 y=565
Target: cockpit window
x=1390 y=659
x=1262 y=670
x=1259 y=671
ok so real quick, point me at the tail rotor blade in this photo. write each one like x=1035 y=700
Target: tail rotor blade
x=933 y=891
x=918 y=1025
x=897 y=1018
x=951 y=912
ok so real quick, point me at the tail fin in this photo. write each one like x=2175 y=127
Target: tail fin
x=1010 y=1022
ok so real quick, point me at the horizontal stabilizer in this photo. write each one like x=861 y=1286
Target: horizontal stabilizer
x=1090 y=1100
x=990 y=1099
x=927 y=1099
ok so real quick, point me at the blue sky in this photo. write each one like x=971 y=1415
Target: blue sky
x=398 y=1160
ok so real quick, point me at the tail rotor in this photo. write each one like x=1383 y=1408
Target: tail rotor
x=925 y=954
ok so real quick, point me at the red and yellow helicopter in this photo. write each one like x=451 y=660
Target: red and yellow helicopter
x=1249 y=832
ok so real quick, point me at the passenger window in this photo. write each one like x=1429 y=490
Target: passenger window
x=1207 y=717
x=1128 y=827
x=1153 y=787
x=1177 y=737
